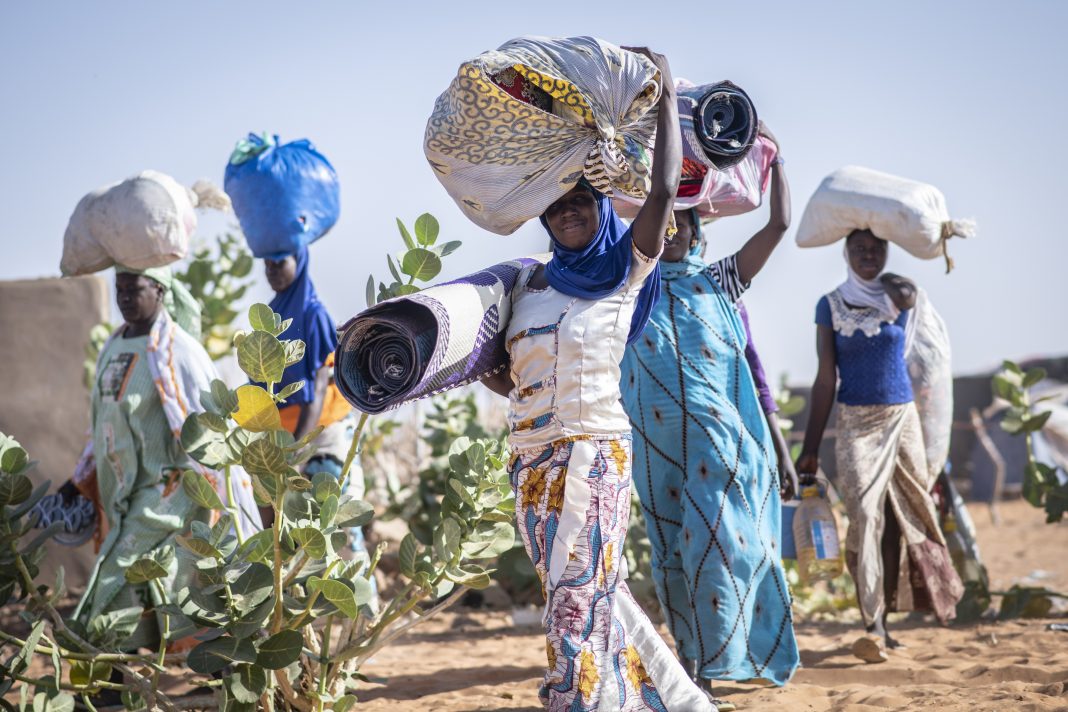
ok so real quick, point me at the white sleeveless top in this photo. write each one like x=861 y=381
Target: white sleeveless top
x=565 y=353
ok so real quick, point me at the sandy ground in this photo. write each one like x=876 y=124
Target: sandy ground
x=481 y=661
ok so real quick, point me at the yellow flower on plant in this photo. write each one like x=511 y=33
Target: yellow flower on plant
x=635 y=669
x=588 y=675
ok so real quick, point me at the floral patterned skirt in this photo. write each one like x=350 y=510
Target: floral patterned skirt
x=572 y=506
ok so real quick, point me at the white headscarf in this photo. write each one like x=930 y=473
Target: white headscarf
x=861 y=292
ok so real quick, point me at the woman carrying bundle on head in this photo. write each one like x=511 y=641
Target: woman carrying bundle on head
x=287 y=196
x=705 y=462
x=570 y=322
x=149 y=378
x=895 y=550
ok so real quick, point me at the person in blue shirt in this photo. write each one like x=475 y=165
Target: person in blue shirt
x=895 y=550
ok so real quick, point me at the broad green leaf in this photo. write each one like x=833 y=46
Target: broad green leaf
x=242 y=265
x=280 y=650
x=1033 y=377
x=254 y=621
x=343 y=597
x=473 y=576
x=109 y=630
x=213 y=421
x=422 y=264
x=61 y=702
x=325 y=486
x=345 y=703
x=294 y=351
x=426 y=229
x=14 y=488
x=214 y=655
x=261 y=317
x=327 y=511
x=252 y=587
x=83 y=673
x=247 y=683
x=405 y=235
x=354 y=513
x=282 y=327
x=447 y=248
x=200 y=442
x=199 y=547
x=256 y=410
x=311 y=540
x=1011 y=367
x=259 y=546
x=404 y=290
x=409 y=551
x=198 y=489
x=13 y=459
x=263 y=457
x=290 y=390
x=262 y=357
x=1036 y=422
x=144 y=570
x=447 y=540
x=363 y=592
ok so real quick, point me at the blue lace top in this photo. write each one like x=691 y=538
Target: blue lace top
x=870 y=353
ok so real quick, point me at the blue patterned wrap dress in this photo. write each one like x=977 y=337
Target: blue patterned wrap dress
x=705 y=472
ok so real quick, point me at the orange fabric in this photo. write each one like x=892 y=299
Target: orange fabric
x=335 y=407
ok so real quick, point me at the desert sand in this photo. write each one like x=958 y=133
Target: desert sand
x=475 y=660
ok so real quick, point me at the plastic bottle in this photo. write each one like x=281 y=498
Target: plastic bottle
x=819 y=556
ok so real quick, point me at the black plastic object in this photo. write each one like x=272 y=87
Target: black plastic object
x=726 y=123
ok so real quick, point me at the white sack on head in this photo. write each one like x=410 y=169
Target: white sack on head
x=144 y=221
x=505 y=160
x=908 y=213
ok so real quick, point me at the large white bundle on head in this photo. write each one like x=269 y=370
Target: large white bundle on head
x=144 y=221
x=504 y=161
x=906 y=212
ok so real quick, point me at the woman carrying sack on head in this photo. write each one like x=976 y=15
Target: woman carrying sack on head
x=149 y=378
x=895 y=550
x=570 y=439
x=705 y=465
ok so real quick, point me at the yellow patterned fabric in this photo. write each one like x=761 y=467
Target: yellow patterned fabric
x=504 y=161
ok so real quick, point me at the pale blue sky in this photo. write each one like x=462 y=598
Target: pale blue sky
x=969 y=96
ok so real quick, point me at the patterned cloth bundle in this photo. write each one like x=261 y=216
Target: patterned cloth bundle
x=414 y=346
x=519 y=126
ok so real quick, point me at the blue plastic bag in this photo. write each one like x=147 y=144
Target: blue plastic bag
x=285 y=196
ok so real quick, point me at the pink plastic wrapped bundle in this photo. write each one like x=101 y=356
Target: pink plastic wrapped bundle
x=713 y=192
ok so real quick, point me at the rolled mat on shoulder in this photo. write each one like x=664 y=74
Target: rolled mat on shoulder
x=418 y=345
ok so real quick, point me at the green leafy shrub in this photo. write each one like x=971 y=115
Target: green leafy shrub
x=1041 y=486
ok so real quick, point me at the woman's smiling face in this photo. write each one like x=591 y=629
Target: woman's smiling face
x=573 y=219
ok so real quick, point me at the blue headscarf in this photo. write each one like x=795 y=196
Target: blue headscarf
x=601 y=268
x=311 y=324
